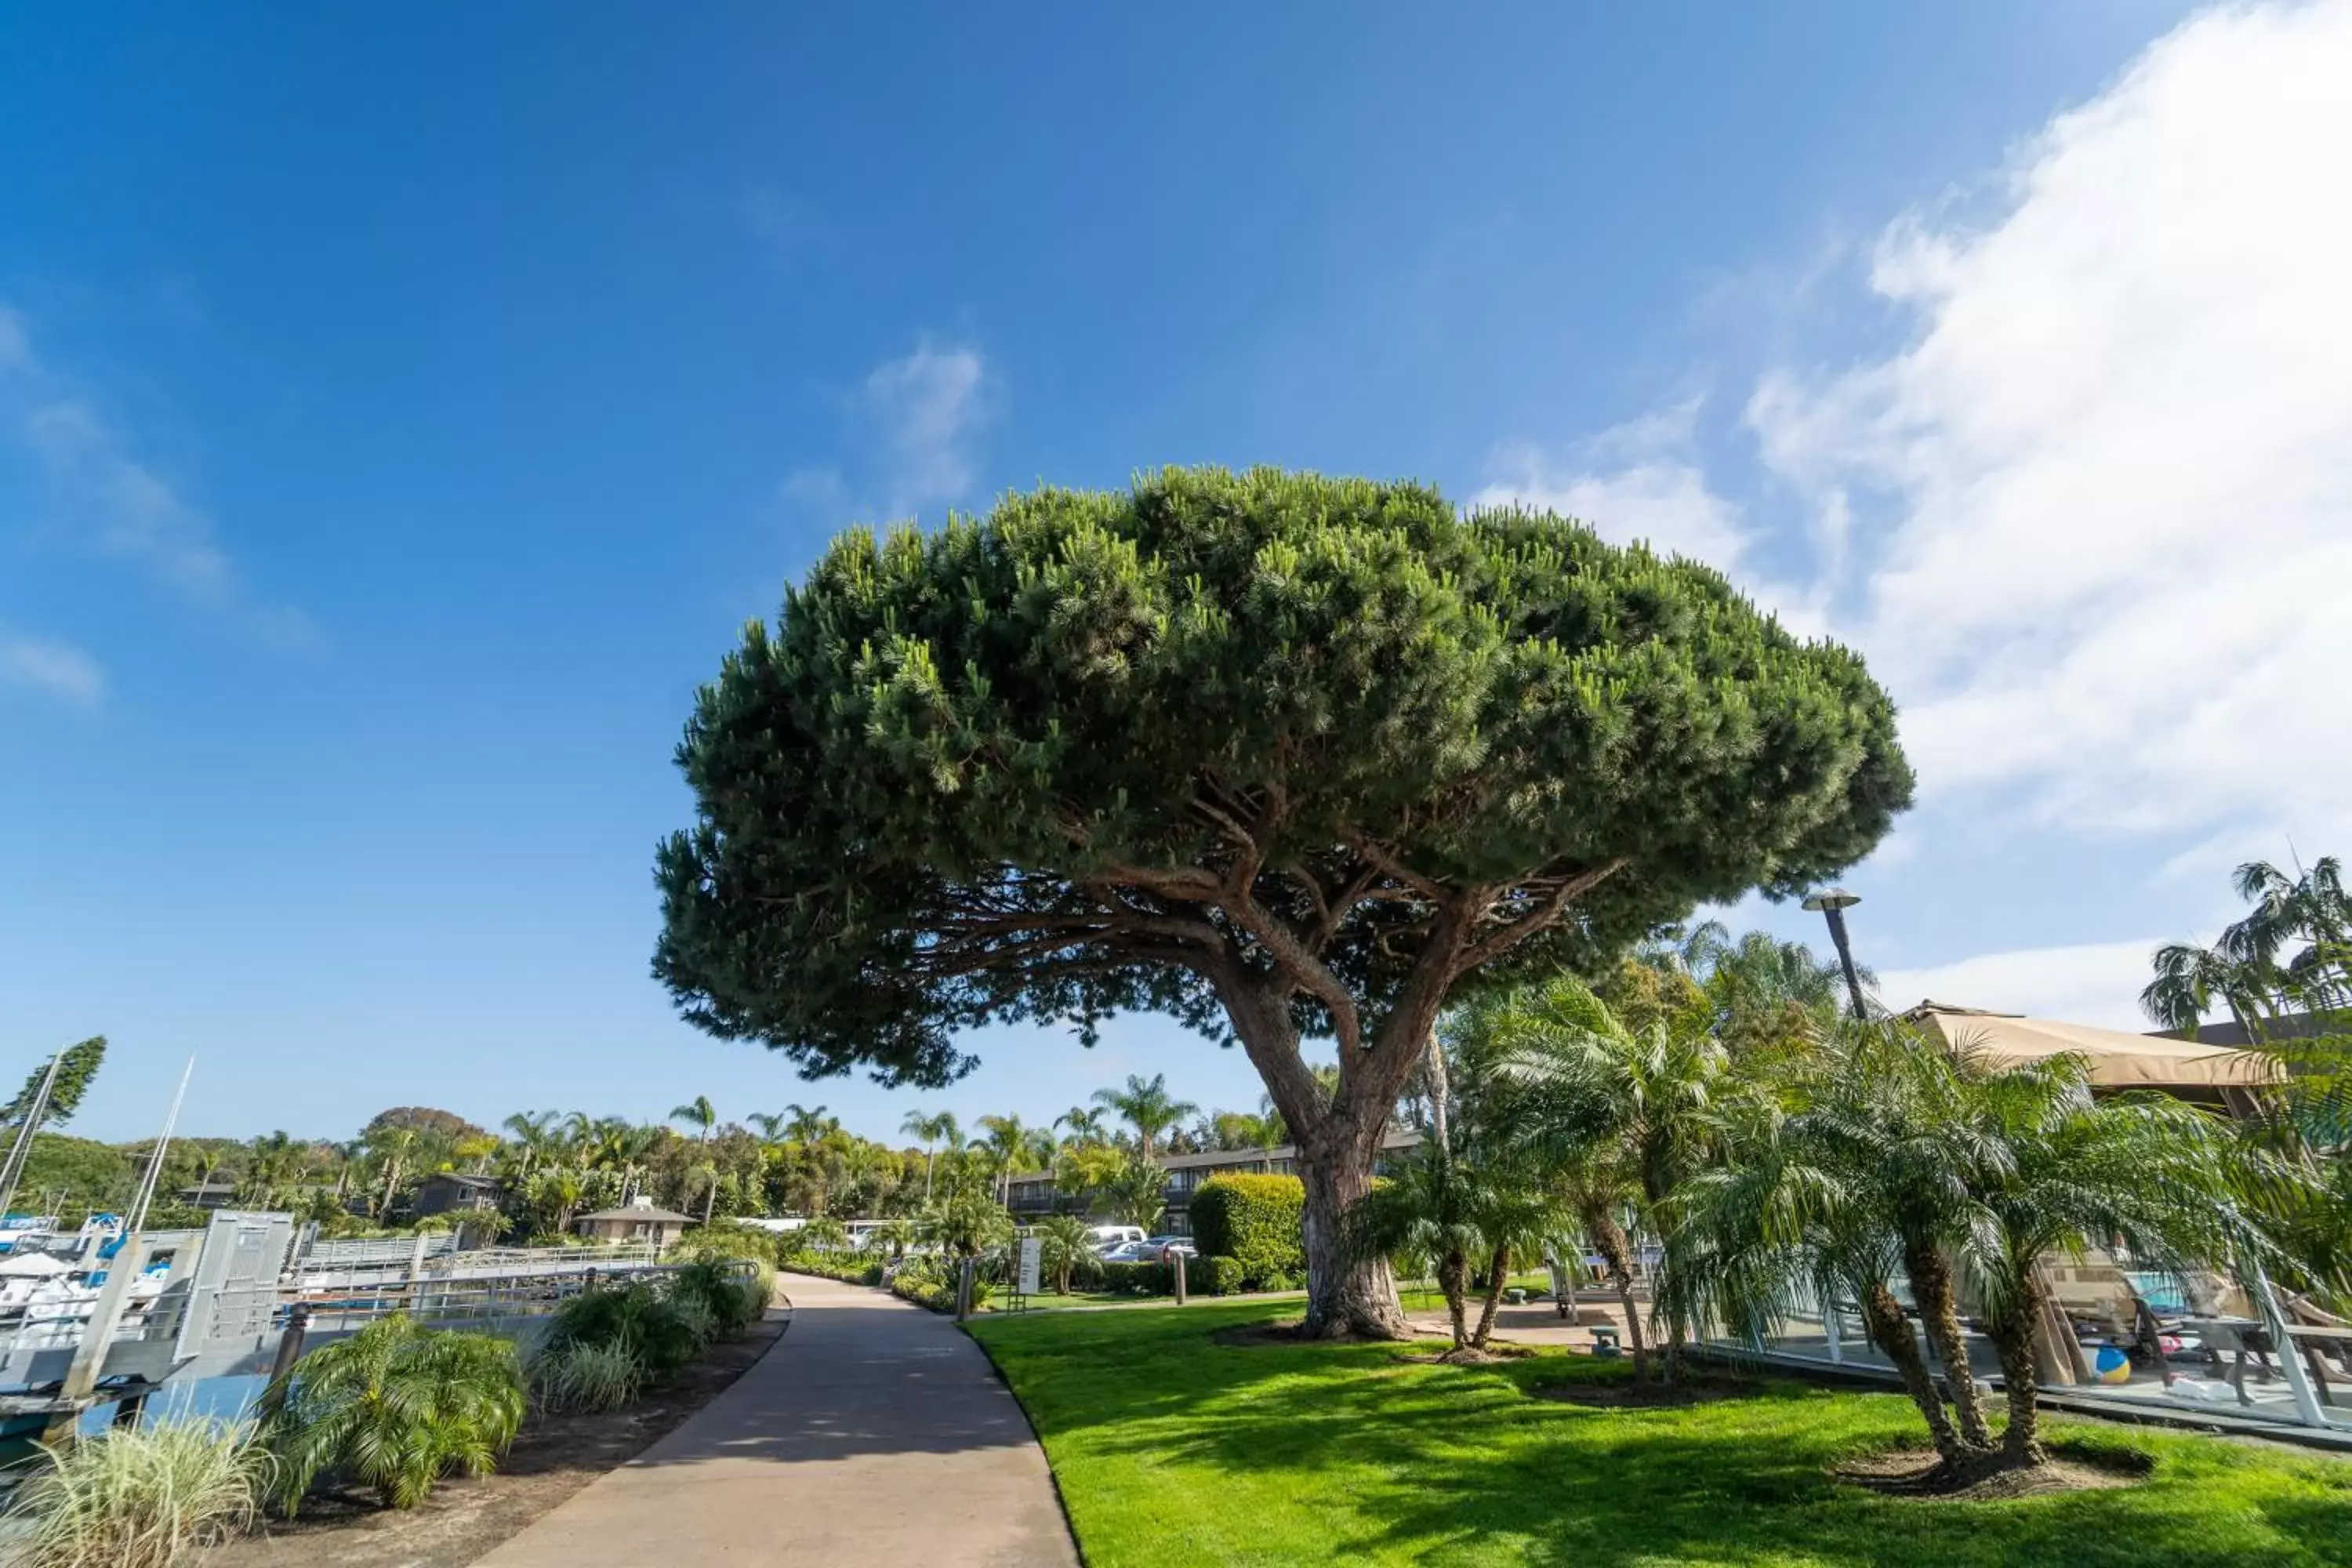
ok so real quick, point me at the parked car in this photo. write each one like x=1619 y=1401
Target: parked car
x=1125 y=1252
x=1107 y=1237
x=1155 y=1250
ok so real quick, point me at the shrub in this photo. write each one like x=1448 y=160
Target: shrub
x=662 y=1334
x=1212 y=1276
x=394 y=1408
x=727 y=1239
x=731 y=1300
x=140 y=1496
x=849 y=1268
x=1255 y=1221
x=593 y=1377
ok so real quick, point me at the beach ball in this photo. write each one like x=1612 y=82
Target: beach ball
x=2111 y=1365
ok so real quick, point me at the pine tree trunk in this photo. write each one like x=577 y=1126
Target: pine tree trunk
x=1345 y=1296
x=1932 y=1287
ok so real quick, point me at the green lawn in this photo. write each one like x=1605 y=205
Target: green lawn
x=1170 y=1449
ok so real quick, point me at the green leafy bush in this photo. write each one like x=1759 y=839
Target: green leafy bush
x=662 y=1334
x=394 y=1408
x=154 y=1496
x=727 y=1239
x=1255 y=1221
x=1202 y=1277
x=851 y=1267
x=732 y=1301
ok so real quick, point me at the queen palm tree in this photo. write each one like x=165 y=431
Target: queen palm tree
x=804 y=1124
x=533 y=1132
x=1005 y=1141
x=933 y=1129
x=1085 y=1125
x=699 y=1114
x=1147 y=1107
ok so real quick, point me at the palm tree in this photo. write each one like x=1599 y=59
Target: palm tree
x=395 y=1406
x=699 y=1114
x=1063 y=1239
x=1620 y=1116
x=770 y=1125
x=1006 y=1141
x=1147 y=1107
x=1086 y=1126
x=898 y=1234
x=807 y=1125
x=1467 y=1219
x=2148 y=1171
x=533 y=1132
x=933 y=1131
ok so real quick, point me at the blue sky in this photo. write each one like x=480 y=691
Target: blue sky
x=399 y=413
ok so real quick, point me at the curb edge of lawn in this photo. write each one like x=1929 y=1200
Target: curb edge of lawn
x=1052 y=1474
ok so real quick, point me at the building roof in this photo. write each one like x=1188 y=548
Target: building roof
x=465 y=1179
x=2116 y=1059
x=638 y=1211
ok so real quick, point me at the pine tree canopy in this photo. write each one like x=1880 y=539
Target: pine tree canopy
x=1232 y=742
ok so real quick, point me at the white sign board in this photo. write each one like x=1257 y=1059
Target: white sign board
x=1032 y=1256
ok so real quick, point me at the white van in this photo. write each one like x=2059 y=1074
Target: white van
x=1107 y=1237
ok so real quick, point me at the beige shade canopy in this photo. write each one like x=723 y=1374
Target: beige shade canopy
x=2118 y=1060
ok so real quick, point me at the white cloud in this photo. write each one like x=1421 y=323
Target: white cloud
x=115 y=502
x=1637 y=481
x=59 y=670
x=2104 y=494
x=916 y=426
x=2095 y=982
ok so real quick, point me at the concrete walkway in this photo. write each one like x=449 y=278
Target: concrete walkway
x=875 y=1432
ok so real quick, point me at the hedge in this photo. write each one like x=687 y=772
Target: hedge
x=1255 y=1221
x=1202 y=1277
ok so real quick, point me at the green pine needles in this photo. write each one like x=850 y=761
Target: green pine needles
x=1278 y=754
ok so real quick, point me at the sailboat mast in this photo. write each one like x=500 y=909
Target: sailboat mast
x=15 y=1169
x=155 y=1159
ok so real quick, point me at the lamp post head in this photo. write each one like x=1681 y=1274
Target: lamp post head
x=1833 y=899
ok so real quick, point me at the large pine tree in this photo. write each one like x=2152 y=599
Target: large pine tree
x=1282 y=756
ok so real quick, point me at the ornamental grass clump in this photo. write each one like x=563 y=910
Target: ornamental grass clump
x=144 y=1496
x=392 y=1409
x=592 y=1378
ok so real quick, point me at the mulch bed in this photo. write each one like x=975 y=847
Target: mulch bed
x=1918 y=1473
x=556 y=1454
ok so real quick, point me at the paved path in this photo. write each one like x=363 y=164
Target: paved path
x=874 y=1433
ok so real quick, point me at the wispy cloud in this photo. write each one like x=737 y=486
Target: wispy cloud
x=1637 y=481
x=2107 y=485
x=57 y=670
x=116 y=503
x=915 y=430
x=2091 y=983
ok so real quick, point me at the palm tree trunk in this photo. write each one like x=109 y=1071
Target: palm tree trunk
x=1882 y=1321
x=1617 y=1252
x=2013 y=1335
x=710 y=1197
x=1499 y=1274
x=1932 y=1287
x=1453 y=1271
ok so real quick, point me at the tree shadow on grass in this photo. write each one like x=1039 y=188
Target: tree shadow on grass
x=1402 y=1462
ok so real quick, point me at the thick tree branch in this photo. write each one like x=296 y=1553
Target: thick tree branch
x=1546 y=915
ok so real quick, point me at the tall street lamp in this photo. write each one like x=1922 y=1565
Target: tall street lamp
x=1833 y=902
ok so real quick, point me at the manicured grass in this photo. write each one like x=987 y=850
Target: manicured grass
x=1172 y=1450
